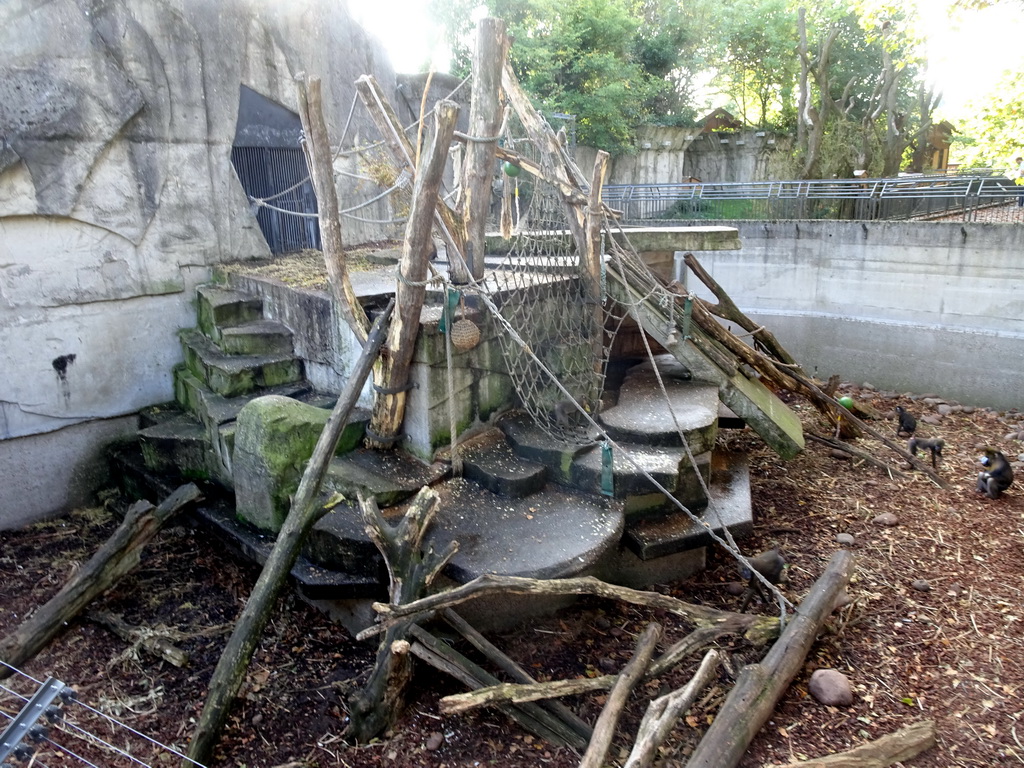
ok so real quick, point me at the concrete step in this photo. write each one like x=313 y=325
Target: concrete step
x=729 y=506
x=390 y=478
x=213 y=409
x=669 y=466
x=644 y=413
x=257 y=337
x=218 y=308
x=555 y=533
x=488 y=460
x=530 y=442
x=233 y=375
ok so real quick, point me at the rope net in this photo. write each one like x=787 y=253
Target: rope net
x=558 y=312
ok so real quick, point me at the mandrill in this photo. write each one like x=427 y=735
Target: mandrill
x=997 y=475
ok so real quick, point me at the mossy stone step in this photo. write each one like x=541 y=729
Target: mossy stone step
x=213 y=409
x=258 y=337
x=179 y=444
x=534 y=444
x=390 y=478
x=218 y=308
x=233 y=375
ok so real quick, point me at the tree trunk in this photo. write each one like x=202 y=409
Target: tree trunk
x=484 y=124
x=389 y=400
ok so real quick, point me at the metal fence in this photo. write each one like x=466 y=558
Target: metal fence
x=960 y=198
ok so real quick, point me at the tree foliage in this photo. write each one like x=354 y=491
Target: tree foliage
x=844 y=74
x=994 y=136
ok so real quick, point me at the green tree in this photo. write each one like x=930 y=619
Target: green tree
x=994 y=135
x=614 y=64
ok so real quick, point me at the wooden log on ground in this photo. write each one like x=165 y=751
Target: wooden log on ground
x=896 y=747
x=530 y=716
x=460 y=702
x=389 y=399
x=663 y=713
x=757 y=629
x=304 y=512
x=604 y=729
x=379 y=703
x=516 y=672
x=759 y=686
x=149 y=640
x=118 y=556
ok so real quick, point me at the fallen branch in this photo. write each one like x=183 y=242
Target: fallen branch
x=461 y=702
x=147 y=639
x=663 y=713
x=118 y=556
x=759 y=686
x=532 y=717
x=892 y=748
x=604 y=729
x=757 y=629
x=840 y=445
x=517 y=673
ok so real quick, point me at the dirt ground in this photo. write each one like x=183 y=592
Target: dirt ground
x=948 y=649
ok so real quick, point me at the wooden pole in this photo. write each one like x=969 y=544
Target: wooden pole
x=632 y=673
x=304 y=512
x=389 y=404
x=759 y=686
x=591 y=268
x=403 y=153
x=317 y=148
x=484 y=123
x=118 y=556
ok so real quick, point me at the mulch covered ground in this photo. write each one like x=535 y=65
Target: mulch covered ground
x=949 y=648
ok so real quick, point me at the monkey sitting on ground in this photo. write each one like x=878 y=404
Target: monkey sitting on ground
x=932 y=444
x=907 y=421
x=769 y=564
x=997 y=475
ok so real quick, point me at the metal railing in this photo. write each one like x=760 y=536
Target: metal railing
x=911 y=197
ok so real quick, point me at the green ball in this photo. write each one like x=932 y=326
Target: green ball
x=511 y=169
x=846 y=402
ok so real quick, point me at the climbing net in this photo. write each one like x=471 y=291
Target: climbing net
x=559 y=327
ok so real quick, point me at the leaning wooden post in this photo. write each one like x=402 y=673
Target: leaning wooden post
x=389 y=401
x=759 y=686
x=317 y=148
x=304 y=512
x=484 y=123
x=118 y=556
x=591 y=266
x=403 y=152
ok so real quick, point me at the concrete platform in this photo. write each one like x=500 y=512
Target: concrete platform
x=390 y=478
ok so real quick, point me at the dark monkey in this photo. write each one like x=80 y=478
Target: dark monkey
x=932 y=444
x=907 y=421
x=997 y=475
x=769 y=564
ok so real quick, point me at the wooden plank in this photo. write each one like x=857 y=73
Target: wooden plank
x=776 y=424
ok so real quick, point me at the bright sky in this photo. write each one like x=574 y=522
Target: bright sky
x=966 y=55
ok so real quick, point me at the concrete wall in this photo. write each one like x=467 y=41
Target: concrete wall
x=117 y=195
x=917 y=307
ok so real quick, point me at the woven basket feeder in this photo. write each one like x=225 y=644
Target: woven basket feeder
x=465 y=334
